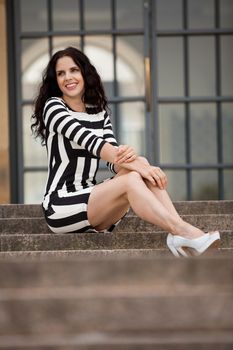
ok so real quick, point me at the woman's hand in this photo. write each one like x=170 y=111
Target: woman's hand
x=125 y=154
x=153 y=174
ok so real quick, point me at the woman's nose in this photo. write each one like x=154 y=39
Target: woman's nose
x=68 y=75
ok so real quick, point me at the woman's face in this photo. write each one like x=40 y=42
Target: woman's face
x=69 y=78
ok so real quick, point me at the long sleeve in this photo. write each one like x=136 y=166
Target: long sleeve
x=58 y=119
x=109 y=137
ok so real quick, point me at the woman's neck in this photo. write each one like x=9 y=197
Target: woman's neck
x=74 y=104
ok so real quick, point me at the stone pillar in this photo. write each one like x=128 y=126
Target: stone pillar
x=4 y=115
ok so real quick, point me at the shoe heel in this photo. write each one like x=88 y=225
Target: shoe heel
x=184 y=252
x=174 y=251
x=171 y=246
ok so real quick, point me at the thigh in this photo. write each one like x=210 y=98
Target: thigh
x=108 y=202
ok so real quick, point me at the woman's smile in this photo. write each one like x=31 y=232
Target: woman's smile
x=71 y=86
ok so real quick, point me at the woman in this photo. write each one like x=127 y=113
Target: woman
x=71 y=117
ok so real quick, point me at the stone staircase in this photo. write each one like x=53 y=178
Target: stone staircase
x=117 y=291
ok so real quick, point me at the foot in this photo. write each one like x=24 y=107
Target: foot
x=180 y=246
x=186 y=230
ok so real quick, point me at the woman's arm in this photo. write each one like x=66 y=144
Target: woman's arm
x=125 y=153
x=58 y=119
x=151 y=173
x=117 y=155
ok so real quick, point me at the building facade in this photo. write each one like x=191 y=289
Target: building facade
x=167 y=71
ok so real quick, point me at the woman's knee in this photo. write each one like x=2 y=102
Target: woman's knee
x=129 y=179
x=126 y=172
x=132 y=178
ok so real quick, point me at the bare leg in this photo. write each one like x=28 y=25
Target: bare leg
x=165 y=200
x=109 y=200
x=163 y=197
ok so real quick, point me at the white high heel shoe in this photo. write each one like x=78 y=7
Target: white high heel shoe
x=180 y=246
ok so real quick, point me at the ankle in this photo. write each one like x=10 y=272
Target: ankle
x=178 y=227
x=186 y=230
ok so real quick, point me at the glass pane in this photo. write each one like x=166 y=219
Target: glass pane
x=99 y=51
x=226 y=13
x=130 y=66
x=129 y=14
x=34 y=153
x=202 y=66
x=33 y=62
x=226 y=64
x=201 y=14
x=169 y=14
x=65 y=15
x=97 y=14
x=203 y=133
x=132 y=125
x=170 y=67
x=176 y=184
x=34 y=185
x=60 y=43
x=33 y=15
x=172 y=133
x=204 y=184
x=113 y=112
x=227 y=125
x=228 y=184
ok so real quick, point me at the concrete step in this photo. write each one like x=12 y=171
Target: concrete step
x=64 y=254
x=207 y=222
x=116 y=295
x=93 y=241
x=20 y=210
x=183 y=207
x=115 y=291
x=71 y=310
x=188 y=340
x=120 y=253
x=131 y=223
x=161 y=273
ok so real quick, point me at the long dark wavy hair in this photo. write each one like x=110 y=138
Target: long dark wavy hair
x=93 y=88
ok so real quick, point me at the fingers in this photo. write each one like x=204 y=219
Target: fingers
x=151 y=179
x=130 y=158
x=160 y=177
x=125 y=154
x=156 y=177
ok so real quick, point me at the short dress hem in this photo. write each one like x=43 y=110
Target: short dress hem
x=67 y=212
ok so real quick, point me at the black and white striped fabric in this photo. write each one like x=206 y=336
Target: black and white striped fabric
x=74 y=141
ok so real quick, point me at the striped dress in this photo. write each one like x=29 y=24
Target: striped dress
x=74 y=141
